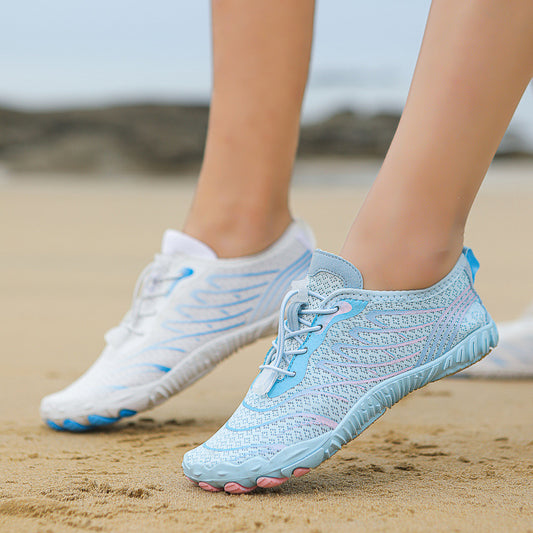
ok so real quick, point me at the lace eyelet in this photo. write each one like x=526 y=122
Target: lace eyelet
x=292 y=374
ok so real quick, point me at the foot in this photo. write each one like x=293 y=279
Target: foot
x=513 y=358
x=190 y=311
x=342 y=356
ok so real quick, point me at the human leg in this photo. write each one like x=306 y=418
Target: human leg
x=474 y=65
x=261 y=58
x=349 y=348
x=217 y=286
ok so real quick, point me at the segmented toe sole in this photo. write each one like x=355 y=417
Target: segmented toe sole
x=299 y=472
x=237 y=488
x=208 y=487
x=269 y=482
x=365 y=412
x=93 y=422
x=264 y=482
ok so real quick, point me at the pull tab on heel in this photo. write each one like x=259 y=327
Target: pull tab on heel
x=472 y=261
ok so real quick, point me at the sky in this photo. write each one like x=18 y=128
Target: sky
x=63 y=53
x=60 y=52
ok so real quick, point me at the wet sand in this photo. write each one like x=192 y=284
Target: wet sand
x=455 y=456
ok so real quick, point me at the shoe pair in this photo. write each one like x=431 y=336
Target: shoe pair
x=343 y=354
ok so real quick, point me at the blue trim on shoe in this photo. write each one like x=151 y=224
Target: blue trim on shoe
x=95 y=422
x=124 y=413
x=184 y=274
x=53 y=425
x=472 y=261
x=298 y=363
x=76 y=427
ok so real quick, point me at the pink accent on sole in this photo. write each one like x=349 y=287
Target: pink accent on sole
x=269 y=482
x=236 y=488
x=208 y=487
x=191 y=480
x=300 y=472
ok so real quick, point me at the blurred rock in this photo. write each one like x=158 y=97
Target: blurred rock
x=139 y=138
x=166 y=138
x=349 y=134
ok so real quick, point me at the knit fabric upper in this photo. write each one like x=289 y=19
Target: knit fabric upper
x=370 y=337
x=184 y=301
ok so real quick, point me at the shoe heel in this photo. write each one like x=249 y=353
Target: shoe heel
x=471 y=350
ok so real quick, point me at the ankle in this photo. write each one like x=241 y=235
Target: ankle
x=237 y=232
x=394 y=264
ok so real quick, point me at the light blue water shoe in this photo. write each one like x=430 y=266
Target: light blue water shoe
x=342 y=356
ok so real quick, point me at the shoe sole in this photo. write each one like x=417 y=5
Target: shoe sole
x=298 y=459
x=193 y=367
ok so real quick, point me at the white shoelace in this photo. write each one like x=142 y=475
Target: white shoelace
x=295 y=326
x=151 y=278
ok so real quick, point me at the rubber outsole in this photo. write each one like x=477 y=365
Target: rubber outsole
x=95 y=421
x=193 y=367
x=263 y=482
x=371 y=406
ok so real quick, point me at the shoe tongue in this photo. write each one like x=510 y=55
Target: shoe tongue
x=177 y=242
x=329 y=272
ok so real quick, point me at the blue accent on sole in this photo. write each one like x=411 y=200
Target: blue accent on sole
x=71 y=425
x=97 y=420
x=53 y=425
x=372 y=405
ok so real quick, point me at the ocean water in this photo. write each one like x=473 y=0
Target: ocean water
x=62 y=53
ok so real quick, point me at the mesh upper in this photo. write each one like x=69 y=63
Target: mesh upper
x=395 y=332
x=215 y=298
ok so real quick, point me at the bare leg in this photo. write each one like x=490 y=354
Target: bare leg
x=475 y=63
x=261 y=60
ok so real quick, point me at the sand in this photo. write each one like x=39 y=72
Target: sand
x=455 y=456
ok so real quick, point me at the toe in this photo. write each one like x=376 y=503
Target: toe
x=269 y=482
x=208 y=487
x=237 y=488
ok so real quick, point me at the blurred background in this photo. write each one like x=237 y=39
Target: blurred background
x=123 y=86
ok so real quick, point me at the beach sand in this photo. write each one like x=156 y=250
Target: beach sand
x=454 y=456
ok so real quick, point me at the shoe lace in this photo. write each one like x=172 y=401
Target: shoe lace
x=151 y=278
x=292 y=331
